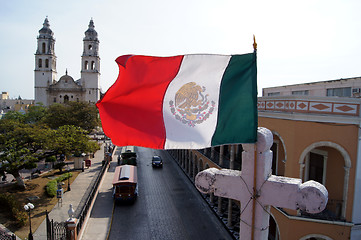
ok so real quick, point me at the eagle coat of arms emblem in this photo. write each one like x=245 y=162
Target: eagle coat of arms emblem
x=191 y=105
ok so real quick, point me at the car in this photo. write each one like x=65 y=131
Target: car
x=157 y=161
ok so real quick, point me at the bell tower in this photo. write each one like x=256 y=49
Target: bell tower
x=45 y=63
x=90 y=64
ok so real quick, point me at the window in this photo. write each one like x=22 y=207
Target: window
x=66 y=98
x=92 y=65
x=316 y=167
x=86 y=65
x=55 y=99
x=274 y=150
x=43 y=48
x=90 y=47
x=302 y=92
x=316 y=163
x=339 y=92
x=274 y=94
x=46 y=63
x=40 y=63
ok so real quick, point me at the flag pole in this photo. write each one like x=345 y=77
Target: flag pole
x=254 y=43
x=254 y=191
x=254 y=168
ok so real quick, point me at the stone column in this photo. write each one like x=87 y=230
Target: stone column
x=212 y=152
x=221 y=151
x=71 y=225
x=231 y=166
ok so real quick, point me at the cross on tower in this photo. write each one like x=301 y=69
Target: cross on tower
x=257 y=189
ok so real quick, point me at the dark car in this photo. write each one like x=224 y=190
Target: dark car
x=157 y=161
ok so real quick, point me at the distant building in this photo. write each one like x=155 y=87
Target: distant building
x=349 y=87
x=7 y=104
x=48 y=89
x=4 y=95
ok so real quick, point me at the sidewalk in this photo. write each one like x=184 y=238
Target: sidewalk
x=76 y=196
x=100 y=218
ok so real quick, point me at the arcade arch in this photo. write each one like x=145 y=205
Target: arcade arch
x=327 y=162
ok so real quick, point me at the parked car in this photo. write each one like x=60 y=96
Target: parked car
x=157 y=161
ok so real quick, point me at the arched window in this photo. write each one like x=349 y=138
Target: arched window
x=66 y=98
x=90 y=47
x=40 y=63
x=86 y=65
x=92 y=65
x=278 y=155
x=329 y=164
x=46 y=63
x=43 y=47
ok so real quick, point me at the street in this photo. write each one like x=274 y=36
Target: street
x=168 y=206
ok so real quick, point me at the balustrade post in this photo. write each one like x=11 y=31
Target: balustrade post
x=71 y=224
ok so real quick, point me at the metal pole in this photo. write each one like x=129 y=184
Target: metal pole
x=30 y=232
x=68 y=178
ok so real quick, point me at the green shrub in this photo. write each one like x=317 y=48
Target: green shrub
x=51 y=188
x=52 y=185
x=64 y=177
x=8 y=201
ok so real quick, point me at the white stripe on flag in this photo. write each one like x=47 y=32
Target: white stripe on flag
x=206 y=72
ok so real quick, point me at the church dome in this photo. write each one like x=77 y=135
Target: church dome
x=91 y=34
x=66 y=78
x=46 y=31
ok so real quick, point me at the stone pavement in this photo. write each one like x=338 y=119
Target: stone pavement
x=77 y=196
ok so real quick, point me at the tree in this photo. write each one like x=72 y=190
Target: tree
x=80 y=114
x=70 y=140
x=14 y=115
x=35 y=114
x=22 y=145
x=44 y=132
x=19 y=146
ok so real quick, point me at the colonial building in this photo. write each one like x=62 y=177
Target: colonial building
x=316 y=137
x=48 y=89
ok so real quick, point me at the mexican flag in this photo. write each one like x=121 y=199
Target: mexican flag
x=182 y=102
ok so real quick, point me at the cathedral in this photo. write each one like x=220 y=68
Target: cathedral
x=48 y=89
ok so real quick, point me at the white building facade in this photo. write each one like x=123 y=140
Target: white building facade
x=48 y=89
x=348 y=87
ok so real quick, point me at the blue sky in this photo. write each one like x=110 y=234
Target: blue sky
x=298 y=41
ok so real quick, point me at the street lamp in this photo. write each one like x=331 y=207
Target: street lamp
x=28 y=207
x=68 y=168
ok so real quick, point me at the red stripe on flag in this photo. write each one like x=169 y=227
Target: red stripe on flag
x=132 y=109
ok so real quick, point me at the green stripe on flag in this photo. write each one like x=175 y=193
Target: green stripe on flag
x=237 y=113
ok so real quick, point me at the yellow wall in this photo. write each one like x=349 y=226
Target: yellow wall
x=297 y=136
x=290 y=229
